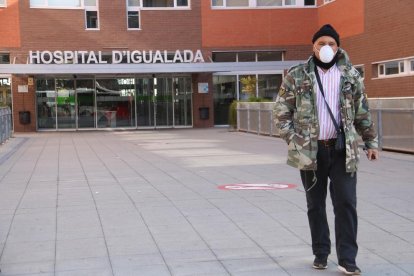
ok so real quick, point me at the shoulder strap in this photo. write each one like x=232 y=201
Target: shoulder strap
x=338 y=129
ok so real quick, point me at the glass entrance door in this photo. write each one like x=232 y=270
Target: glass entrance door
x=85 y=99
x=145 y=102
x=163 y=102
x=225 y=92
x=182 y=101
x=65 y=103
x=113 y=102
x=154 y=102
x=46 y=103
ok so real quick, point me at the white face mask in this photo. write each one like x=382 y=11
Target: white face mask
x=326 y=54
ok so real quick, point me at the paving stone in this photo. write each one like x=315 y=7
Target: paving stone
x=148 y=203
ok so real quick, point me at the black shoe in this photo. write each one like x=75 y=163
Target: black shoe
x=320 y=262
x=349 y=269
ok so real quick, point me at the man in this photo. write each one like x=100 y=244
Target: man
x=305 y=124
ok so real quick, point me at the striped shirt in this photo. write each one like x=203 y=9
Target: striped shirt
x=330 y=81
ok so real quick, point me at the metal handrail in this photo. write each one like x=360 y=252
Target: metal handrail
x=395 y=126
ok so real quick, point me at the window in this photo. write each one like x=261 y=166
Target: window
x=4 y=58
x=361 y=70
x=64 y=4
x=389 y=68
x=247 y=86
x=310 y=3
x=165 y=3
x=56 y=3
x=237 y=3
x=217 y=3
x=3 y=3
x=133 y=20
x=133 y=14
x=247 y=56
x=134 y=3
x=91 y=19
x=259 y=3
x=263 y=3
x=269 y=56
x=394 y=68
x=268 y=86
x=91 y=14
x=225 y=57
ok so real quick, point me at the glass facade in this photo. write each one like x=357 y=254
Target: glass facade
x=225 y=92
x=268 y=86
x=113 y=102
x=46 y=103
x=229 y=88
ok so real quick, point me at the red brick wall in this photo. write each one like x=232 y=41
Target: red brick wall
x=346 y=16
x=59 y=29
x=9 y=25
x=23 y=102
x=388 y=35
x=202 y=100
x=256 y=27
x=371 y=30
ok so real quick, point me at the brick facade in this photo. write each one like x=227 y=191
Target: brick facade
x=387 y=35
x=23 y=102
x=371 y=31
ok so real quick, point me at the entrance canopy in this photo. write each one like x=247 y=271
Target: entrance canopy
x=208 y=67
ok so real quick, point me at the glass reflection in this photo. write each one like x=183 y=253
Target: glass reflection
x=46 y=104
x=65 y=100
x=269 y=86
x=85 y=94
x=115 y=102
x=224 y=94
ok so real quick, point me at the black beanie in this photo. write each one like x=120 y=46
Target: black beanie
x=326 y=30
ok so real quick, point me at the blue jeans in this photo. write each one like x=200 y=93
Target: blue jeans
x=331 y=165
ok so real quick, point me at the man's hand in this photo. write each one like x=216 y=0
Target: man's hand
x=372 y=154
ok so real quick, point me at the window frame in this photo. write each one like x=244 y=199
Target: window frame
x=405 y=68
x=315 y=4
x=46 y=6
x=176 y=7
x=255 y=52
x=4 y=5
x=134 y=9
x=92 y=8
x=3 y=54
x=252 y=4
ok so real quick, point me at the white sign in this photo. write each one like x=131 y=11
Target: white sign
x=202 y=87
x=88 y=57
x=22 y=88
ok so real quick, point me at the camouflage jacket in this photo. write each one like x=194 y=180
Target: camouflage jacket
x=297 y=118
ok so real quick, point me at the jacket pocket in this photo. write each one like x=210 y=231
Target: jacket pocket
x=300 y=150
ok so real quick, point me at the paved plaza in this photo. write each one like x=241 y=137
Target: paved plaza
x=155 y=203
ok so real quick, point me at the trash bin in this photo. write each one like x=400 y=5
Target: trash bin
x=204 y=113
x=24 y=117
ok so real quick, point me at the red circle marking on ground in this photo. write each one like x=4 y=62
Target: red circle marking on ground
x=257 y=186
